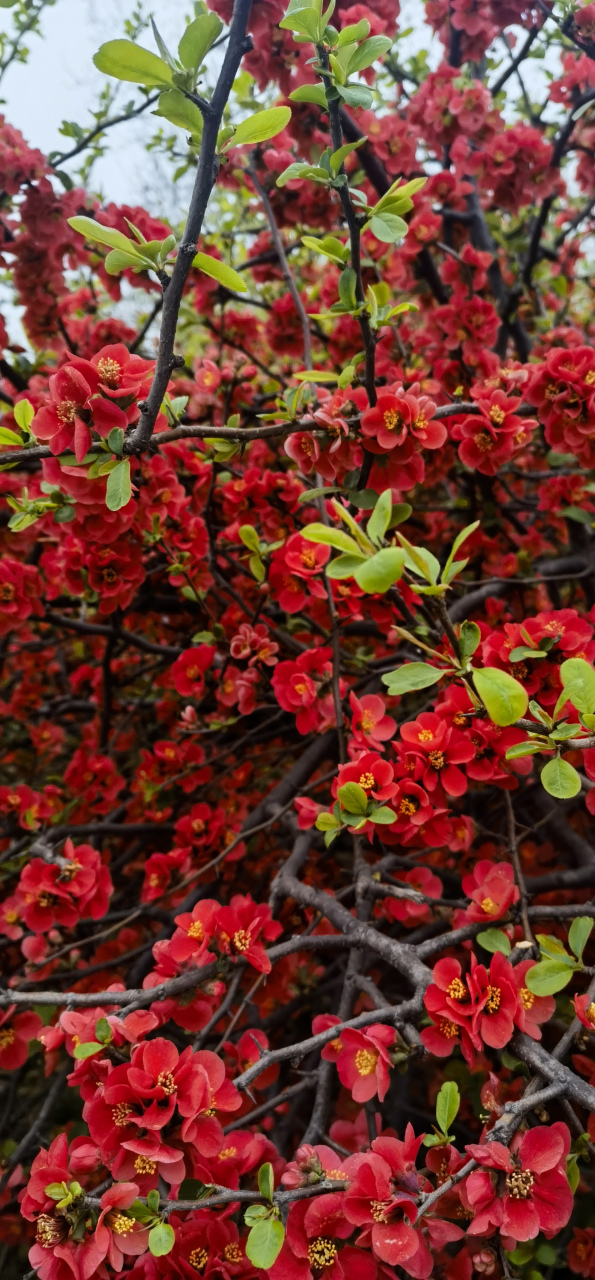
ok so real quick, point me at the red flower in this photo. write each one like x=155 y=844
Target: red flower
x=239 y=928
x=20 y=588
x=491 y=888
x=495 y=1000
x=399 y=414
x=581 y=1250
x=447 y=1000
x=385 y=1214
x=16 y=1030
x=118 y=1235
x=442 y=749
x=189 y=669
x=370 y=772
x=584 y=1008
x=370 y=725
x=536 y=1195
x=315 y=1230
x=363 y=1062
x=531 y=1010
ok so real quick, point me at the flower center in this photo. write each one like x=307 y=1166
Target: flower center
x=241 y=940
x=426 y=735
x=228 y=1153
x=196 y=931
x=142 y=1164
x=497 y=415
x=367 y=721
x=483 y=441
x=365 y=1061
x=493 y=1001
x=590 y=1013
x=378 y=1209
x=391 y=419
x=120 y=1113
x=457 y=989
x=407 y=807
x=66 y=412
x=167 y=1082
x=198 y=1259
x=109 y=371
x=527 y=998
x=49 y=1231
x=489 y=906
x=367 y=781
x=590 y=378
x=321 y=1253
x=7 y=1037
x=309 y=559
x=120 y=1223
x=448 y=1029
x=519 y=1184
x=7 y=592
x=436 y=759
x=232 y=1253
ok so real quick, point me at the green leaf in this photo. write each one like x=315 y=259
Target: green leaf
x=469 y=638
x=381 y=517
x=353 y=798
x=383 y=815
x=103 y=1031
x=265 y=1242
x=56 y=1190
x=153 y=1199
x=368 y=53
x=9 y=437
x=199 y=36
x=578 y=679
x=529 y=748
x=547 y=977
x=162 y=1239
x=523 y=651
x=128 y=61
x=447 y=1105
x=344 y=566
x=347 y=283
x=99 y=234
x=326 y=822
x=411 y=676
x=330 y=537
x=179 y=110
x=560 y=779
x=355 y=31
x=504 y=698
x=310 y=93
x=123 y=260
x=387 y=227
x=329 y=246
x=338 y=157
x=355 y=95
x=118 y=492
x=255 y=1213
x=249 y=537
x=420 y=561
x=578 y=934
x=380 y=572
x=400 y=512
x=87 y=1050
x=310 y=494
x=219 y=271
x=24 y=414
x=266 y=1181
x=115 y=440
x=261 y=126
x=494 y=940
x=553 y=948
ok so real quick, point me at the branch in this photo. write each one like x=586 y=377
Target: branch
x=206 y=176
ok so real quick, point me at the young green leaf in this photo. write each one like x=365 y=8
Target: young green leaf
x=344 y=566
x=260 y=127
x=367 y=53
x=179 y=110
x=162 y=1239
x=560 y=779
x=310 y=93
x=548 y=977
x=469 y=638
x=198 y=38
x=125 y=60
x=578 y=679
x=9 y=437
x=266 y=1181
x=87 y=1050
x=447 y=1105
x=381 y=516
x=97 y=233
x=494 y=940
x=265 y=1242
x=579 y=934
x=382 y=815
x=387 y=227
x=528 y=748
x=504 y=698
x=248 y=535
x=329 y=537
x=118 y=492
x=380 y=572
x=219 y=271
x=411 y=676
x=353 y=797
x=23 y=414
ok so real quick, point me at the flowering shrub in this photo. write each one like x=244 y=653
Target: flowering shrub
x=297 y=624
